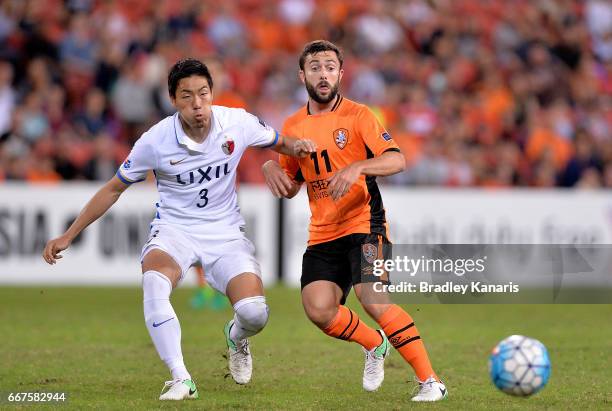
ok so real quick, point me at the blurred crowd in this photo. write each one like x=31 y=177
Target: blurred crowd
x=487 y=93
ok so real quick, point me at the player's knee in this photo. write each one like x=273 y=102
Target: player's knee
x=252 y=312
x=320 y=314
x=375 y=310
x=155 y=286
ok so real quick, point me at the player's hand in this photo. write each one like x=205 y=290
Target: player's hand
x=276 y=179
x=303 y=147
x=52 y=250
x=343 y=180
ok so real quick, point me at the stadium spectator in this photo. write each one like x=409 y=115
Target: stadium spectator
x=477 y=93
x=7 y=96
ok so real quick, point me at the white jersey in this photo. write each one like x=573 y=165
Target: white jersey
x=197 y=182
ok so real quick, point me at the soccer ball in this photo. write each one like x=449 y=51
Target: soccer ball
x=519 y=365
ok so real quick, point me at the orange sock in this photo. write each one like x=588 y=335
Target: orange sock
x=404 y=336
x=347 y=326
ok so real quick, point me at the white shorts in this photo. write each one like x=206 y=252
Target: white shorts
x=222 y=259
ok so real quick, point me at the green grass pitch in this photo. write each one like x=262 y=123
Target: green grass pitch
x=92 y=344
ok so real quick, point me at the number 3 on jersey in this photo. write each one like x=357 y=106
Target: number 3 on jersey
x=203 y=196
x=315 y=160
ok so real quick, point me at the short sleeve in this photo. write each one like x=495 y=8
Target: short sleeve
x=374 y=135
x=291 y=166
x=256 y=132
x=141 y=159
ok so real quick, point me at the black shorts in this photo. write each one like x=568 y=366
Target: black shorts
x=345 y=261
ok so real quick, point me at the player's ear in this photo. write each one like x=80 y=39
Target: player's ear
x=302 y=76
x=340 y=74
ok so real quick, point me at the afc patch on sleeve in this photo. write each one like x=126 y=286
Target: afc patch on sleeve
x=386 y=136
x=264 y=125
x=260 y=121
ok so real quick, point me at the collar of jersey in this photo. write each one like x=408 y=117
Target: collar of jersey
x=333 y=109
x=184 y=140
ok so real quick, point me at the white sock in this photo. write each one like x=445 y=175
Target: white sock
x=162 y=322
x=251 y=316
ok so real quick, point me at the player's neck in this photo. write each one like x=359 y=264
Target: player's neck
x=197 y=134
x=318 y=108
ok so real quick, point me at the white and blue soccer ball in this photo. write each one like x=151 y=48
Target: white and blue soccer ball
x=519 y=365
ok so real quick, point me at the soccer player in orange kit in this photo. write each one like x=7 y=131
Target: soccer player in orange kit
x=348 y=224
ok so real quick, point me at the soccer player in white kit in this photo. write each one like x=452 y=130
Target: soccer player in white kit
x=194 y=155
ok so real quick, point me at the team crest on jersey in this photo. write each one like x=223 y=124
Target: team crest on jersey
x=369 y=252
x=228 y=146
x=341 y=137
x=127 y=164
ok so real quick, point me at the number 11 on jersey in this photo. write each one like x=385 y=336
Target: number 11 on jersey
x=315 y=160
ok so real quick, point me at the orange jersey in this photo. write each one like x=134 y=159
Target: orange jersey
x=348 y=133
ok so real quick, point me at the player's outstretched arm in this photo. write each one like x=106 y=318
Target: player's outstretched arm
x=389 y=162
x=386 y=164
x=294 y=147
x=278 y=181
x=94 y=209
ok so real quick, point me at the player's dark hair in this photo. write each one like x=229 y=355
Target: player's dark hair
x=186 y=68
x=318 y=46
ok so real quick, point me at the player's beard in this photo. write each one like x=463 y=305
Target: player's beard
x=313 y=94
